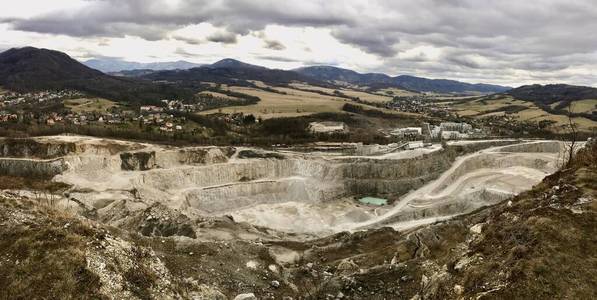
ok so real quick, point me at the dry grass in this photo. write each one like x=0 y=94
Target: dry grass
x=43 y=258
x=274 y=105
x=304 y=86
x=536 y=114
x=396 y=92
x=218 y=95
x=292 y=104
x=584 y=106
x=367 y=96
x=482 y=109
x=381 y=97
x=479 y=107
x=84 y=105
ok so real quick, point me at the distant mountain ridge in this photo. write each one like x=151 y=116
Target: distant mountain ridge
x=379 y=80
x=109 y=65
x=231 y=71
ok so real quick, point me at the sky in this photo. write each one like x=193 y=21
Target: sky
x=508 y=42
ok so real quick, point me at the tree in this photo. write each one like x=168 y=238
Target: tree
x=572 y=136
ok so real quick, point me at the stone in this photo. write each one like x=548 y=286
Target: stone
x=458 y=289
x=275 y=284
x=477 y=228
x=247 y=296
x=394 y=260
x=347 y=267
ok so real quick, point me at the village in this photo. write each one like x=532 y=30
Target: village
x=70 y=107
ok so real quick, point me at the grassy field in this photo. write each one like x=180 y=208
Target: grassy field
x=396 y=92
x=218 y=95
x=479 y=107
x=84 y=105
x=274 y=105
x=291 y=104
x=584 y=106
x=486 y=108
x=369 y=97
x=536 y=114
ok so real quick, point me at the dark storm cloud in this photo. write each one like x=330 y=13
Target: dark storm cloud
x=274 y=45
x=223 y=37
x=472 y=38
x=277 y=58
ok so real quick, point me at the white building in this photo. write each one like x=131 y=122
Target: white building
x=453 y=126
x=407 y=132
x=328 y=127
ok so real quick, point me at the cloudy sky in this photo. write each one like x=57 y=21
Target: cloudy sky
x=509 y=42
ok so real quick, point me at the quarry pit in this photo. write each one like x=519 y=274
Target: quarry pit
x=299 y=192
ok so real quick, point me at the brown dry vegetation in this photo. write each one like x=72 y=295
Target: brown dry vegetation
x=487 y=107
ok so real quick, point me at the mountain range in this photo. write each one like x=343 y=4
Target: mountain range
x=413 y=83
x=110 y=65
x=31 y=68
x=327 y=75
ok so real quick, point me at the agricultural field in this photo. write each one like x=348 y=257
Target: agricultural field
x=367 y=96
x=396 y=92
x=486 y=108
x=536 y=114
x=217 y=95
x=275 y=105
x=380 y=97
x=84 y=105
x=584 y=106
x=290 y=103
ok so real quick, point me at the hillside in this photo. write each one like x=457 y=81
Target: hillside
x=34 y=68
x=556 y=97
x=379 y=81
x=30 y=69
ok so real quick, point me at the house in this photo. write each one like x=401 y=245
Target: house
x=328 y=127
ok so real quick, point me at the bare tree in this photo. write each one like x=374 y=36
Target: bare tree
x=572 y=136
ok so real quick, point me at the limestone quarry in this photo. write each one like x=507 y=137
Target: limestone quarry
x=290 y=192
x=102 y=218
